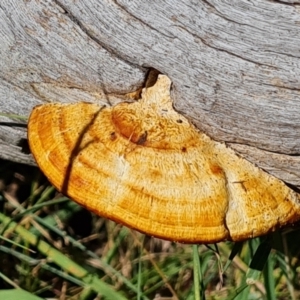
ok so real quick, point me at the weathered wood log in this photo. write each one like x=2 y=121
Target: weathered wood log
x=234 y=65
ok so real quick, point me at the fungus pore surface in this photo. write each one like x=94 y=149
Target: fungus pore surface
x=146 y=166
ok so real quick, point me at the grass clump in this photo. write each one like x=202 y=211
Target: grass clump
x=52 y=248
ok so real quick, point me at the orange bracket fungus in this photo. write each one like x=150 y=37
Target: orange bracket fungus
x=146 y=166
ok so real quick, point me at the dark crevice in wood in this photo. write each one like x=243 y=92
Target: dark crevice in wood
x=13 y=124
x=229 y=143
x=151 y=77
x=210 y=5
x=293 y=187
x=285 y=3
x=23 y=143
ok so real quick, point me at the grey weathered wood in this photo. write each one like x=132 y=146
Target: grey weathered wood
x=234 y=65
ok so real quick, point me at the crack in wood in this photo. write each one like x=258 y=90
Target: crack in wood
x=110 y=50
x=290 y=3
x=141 y=21
x=219 y=49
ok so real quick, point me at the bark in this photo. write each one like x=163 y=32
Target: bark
x=234 y=65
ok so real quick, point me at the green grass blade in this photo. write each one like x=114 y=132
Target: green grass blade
x=237 y=247
x=14 y=116
x=198 y=282
x=140 y=272
x=269 y=278
x=18 y=294
x=261 y=256
x=61 y=260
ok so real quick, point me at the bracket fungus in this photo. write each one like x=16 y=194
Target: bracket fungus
x=146 y=166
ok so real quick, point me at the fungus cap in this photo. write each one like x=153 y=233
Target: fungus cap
x=146 y=166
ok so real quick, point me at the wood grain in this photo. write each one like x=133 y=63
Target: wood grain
x=234 y=65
